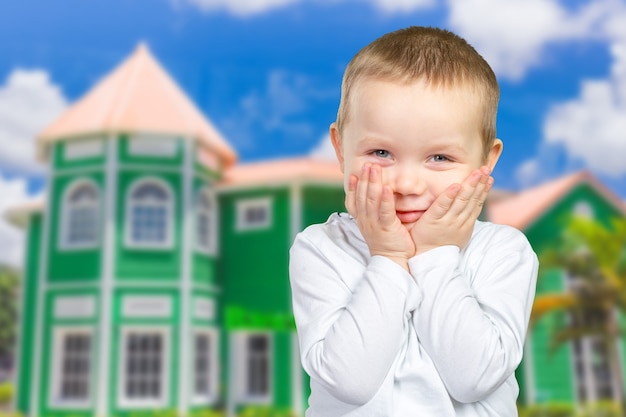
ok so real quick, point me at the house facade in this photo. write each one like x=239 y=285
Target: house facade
x=156 y=274
x=578 y=371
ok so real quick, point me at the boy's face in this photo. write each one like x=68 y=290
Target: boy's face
x=423 y=138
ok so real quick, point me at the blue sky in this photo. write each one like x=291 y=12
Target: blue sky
x=267 y=73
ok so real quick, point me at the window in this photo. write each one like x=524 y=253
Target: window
x=80 y=213
x=255 y=372
x=72 y=367
x=206 y=216
x=144 y=367
x=583 y=209
x=149 y=215
x=205 y=365
x=594 y=379
x=254 y=214
x=144 y=144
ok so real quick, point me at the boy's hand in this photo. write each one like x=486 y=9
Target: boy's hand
x=450 y=219
x=372 y=206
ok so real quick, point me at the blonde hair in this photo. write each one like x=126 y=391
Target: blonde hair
x=436 y=56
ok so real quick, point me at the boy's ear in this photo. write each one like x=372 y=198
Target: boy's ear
x=494 y=154
x=336 y=141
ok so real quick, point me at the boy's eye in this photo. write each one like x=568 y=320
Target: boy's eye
x=440 y=158
x=381 y=153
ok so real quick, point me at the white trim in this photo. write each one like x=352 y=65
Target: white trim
x=212 y=214
x=242 y=224
x=240 y=373
x=65 y=222
x=187 y=211
x=297 y=376
x=74 y=306
x=295 y=200
x=152 y=145
x=147 y=306
x=214 y=366
x=56 y=363
x=170 y=214
x=145 y=283
x=90 y=147
x=204 y=308
x=127 y=403
x=42 y=274
x=107 y=270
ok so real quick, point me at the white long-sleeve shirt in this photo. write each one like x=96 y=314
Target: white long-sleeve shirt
x=442 y=340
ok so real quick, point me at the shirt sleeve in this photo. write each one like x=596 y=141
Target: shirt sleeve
x=349 y=335
x=472 y=320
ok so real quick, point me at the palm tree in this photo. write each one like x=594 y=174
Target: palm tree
x=593 y=256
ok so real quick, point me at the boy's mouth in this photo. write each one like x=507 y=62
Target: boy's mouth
x=409 y=216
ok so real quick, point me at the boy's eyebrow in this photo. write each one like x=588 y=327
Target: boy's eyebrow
x=375 y=141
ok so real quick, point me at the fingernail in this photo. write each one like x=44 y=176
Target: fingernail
x=485 y=170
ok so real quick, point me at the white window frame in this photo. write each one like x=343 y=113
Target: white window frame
x=242 y=207
x=153 y=145
x=168 y=242
x=130 y=403
x=212 y=395
x=64 y=232
x=54 y=394
x=242 y=371
x=83 y=149
x=211 y=218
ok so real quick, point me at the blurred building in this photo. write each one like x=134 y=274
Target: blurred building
x=156 y=273
x=578 y=371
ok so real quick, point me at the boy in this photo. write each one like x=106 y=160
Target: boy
x=409 y=306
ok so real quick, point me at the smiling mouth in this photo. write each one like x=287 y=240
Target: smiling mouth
x=409 y=216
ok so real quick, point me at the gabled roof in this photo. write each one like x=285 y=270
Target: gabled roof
x=524 y=208
x=138 y=96
x=282 y=171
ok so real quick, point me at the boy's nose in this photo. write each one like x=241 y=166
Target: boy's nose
x=409 y=182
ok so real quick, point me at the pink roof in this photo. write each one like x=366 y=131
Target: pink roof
x=280 y=171
x=524 y=208
x=138 y=96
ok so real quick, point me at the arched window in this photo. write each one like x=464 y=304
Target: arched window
x=149 y=214
x=206 y=224
x=80 y=224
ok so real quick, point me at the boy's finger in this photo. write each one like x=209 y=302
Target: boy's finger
x=444 y=201
x=374 y=192
x=387 y=207
x=351 y=196
x=361 y=191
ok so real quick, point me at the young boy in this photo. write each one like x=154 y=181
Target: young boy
x=409 y=306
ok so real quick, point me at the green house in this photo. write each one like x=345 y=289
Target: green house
x=579 y=371
x=156 y=273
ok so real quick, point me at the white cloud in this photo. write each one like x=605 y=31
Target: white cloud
x=13 y=192
x=278 y=113
x=324 y=149
x=400 y=6
x=241 y=8
x=246 y=8
x=592 y=126
x=28 y=102
x=512 y=35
